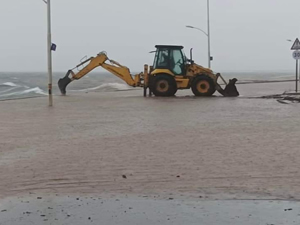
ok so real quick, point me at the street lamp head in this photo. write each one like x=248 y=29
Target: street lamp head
x=190 y=27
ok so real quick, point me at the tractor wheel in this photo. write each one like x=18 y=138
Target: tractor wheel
x=203 y=86
x=164 y=85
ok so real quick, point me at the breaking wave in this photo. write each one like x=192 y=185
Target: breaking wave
x=35 y=90
x=11 y=90
x=108 y=87
x=10 y=84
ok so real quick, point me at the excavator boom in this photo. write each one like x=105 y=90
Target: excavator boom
x=100 y=60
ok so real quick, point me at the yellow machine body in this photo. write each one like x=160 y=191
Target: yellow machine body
x=160 y=79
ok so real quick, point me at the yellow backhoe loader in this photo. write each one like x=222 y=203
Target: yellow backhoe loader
x=171 y=71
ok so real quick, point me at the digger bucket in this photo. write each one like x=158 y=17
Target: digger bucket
x=230 y=89
x=63 y=83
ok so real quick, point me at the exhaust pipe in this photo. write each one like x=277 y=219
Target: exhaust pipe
x=63 y=83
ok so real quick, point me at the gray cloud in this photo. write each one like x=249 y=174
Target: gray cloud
x=246 y=34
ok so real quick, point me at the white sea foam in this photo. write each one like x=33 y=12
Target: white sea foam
x=10 y=84
x=109 y=87
x=35 y=90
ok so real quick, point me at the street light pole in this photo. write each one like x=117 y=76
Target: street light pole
x=49 y=44
x=49 y=54
x=208 y=35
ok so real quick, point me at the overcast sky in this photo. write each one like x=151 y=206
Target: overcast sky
x=245 y=34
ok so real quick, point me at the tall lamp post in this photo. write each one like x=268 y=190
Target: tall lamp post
x=49 y=51
x=206 y=33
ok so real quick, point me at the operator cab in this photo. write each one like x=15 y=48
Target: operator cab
x=170 y=57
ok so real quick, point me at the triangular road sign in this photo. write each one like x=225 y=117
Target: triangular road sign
x=296 y=45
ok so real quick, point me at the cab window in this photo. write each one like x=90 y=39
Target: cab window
x=177 y=62
x=163 y=58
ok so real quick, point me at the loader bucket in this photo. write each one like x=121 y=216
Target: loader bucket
x=230 y=89
x=63 y=83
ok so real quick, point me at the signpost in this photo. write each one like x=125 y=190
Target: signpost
x=296 y=56
x=49 y=53
x=50 y=47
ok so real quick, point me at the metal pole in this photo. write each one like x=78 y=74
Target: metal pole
x=297 y=75
x=49 y=53
x=146 y=78
x=208 y=34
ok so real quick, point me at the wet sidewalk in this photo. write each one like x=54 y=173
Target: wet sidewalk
x=142 y=210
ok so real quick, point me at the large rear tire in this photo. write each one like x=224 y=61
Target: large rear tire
x=203 y=86
x=164 y=86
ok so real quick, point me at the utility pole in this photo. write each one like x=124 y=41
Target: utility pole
x=208 y=35
x=49 y=51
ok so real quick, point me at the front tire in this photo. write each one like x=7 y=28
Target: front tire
x=203 y=86
x=164 y=86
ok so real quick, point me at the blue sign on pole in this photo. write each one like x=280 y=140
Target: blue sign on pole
x=53 y=47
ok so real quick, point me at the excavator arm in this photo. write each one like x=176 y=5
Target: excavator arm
x=100 y=60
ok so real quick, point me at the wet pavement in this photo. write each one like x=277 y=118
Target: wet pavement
x=136 y=211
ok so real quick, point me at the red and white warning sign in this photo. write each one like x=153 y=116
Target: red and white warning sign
x=296 y=45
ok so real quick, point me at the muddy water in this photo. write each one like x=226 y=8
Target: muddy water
x=123 y=144
x=217 y=147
